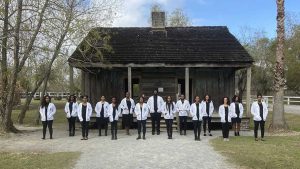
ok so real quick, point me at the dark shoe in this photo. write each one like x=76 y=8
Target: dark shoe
x=144 y=138
x=256 y=139
x=112 y=137
x=262 y=139
x=105 y=133
x=51 y=138
x=238 y=133
x=139 y=137
x=196 y=138
x=181 y=133
x=158 y=133
x=43 y=138
x=70 y=134
x=204 y=134
x=210 y=134
x=184 y=133
x=82 y=138
x=116 y=137
x=199 y=139
x=153 y=133
x=86 y=138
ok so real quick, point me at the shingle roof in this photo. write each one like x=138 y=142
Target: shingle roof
x=174 y=45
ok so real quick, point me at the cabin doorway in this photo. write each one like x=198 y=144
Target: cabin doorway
x=181 y=85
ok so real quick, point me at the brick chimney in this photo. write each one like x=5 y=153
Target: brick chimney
x=158 y=20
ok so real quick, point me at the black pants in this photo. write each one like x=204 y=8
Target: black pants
x=197 y=128
x=262 y=128
x=49 y=124
x=206 y=120
x=127 y=120
x=169 y=123
x=225 y=130
x=141 y=124
x=85 y=128
x=102 y=122
x=155 y=119
x=183 y=124
x=114 y=128
x=71 y=122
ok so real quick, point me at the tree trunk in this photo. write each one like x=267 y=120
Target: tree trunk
x=278 y=121
x=4 y=71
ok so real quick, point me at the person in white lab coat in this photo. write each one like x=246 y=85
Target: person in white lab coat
x=183 y=108
x=127 y=108
x=259 y=110
x=169 y=110
x=155 y=103
x=101 y=110
x=237 y=109
x=84 y=114
x=47 y=111
x=226 y=115
x=141 y=111
x=197 y=115
x=113 y=114
x=207 y=111
x=71 y=108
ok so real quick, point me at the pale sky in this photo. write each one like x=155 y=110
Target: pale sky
x=257 y=14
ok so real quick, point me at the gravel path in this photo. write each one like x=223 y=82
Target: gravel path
x=126 y=152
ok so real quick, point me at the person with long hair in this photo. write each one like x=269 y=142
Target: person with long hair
x=169 y=111
x=141 y=111
x=113 y=114
x=47 y=111
x=183 y=108
x=84 y=114
x=127 y=108
x=226 y=115
x=259 y=110
x=207 y=111
x=71 y=113
x=197 y=115
x=101 y=110
x=237 y=109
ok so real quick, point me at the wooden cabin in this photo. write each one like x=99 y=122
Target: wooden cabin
x=189 y=60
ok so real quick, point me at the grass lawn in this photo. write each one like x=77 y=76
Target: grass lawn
x=276 y=152
x=292 y=120
x=61 y=160
x=59 y=117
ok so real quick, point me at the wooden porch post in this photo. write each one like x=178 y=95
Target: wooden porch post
x=248 y=92
x=129 y=80
x=82 y=83
x=187 y=83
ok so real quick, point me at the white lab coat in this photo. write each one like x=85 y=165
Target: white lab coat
x=141 y=115
x=255 y=111
x=160 y=102
x=98 y=108
x=211 y=108
x=110 y=113
x=183 y=108
x=193 y=111
x=124 y=107
x=51 y=110
x=222 y=114
x=232 y=107
x=168 y=114
x=74 y=110
x=89 y=111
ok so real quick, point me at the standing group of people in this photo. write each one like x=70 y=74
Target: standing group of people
x=200 y=111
